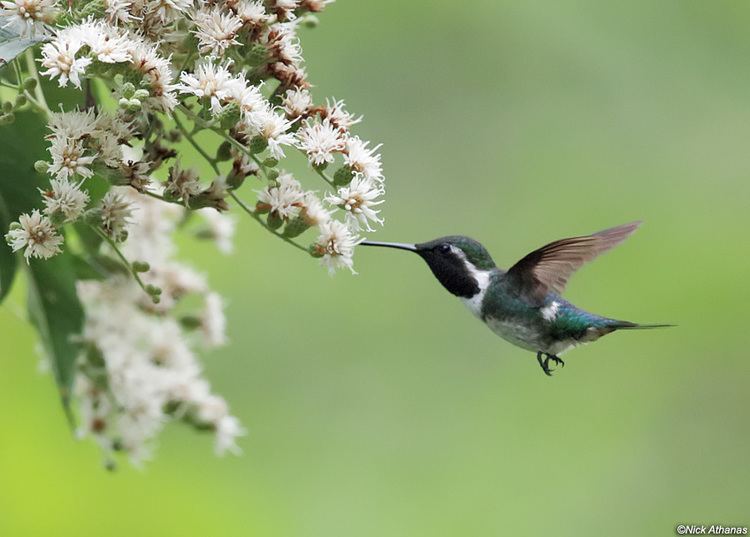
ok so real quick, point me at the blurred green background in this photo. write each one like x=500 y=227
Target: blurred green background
x=375 y=404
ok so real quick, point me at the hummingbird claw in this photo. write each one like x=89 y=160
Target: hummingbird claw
x=544 y=364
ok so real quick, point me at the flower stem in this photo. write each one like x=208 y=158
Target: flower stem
x=122 y=257
x=195 y=144
x=258 y=219
x=31 y=66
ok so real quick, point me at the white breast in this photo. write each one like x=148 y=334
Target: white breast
x=483 y=278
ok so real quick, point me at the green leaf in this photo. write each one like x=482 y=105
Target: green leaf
x=54 y=308
x=12 y=44
x=22 y=144
x=57 y=314
x=8 y=261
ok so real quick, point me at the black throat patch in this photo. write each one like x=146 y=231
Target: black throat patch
x=452 y=272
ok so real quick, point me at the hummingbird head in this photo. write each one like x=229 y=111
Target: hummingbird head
x=456 y=261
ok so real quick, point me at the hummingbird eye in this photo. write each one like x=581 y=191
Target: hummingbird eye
x=444 y=248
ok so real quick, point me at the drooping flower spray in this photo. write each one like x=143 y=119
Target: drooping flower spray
x=159 y=78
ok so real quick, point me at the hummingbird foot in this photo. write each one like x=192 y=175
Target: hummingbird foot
x=544 y=364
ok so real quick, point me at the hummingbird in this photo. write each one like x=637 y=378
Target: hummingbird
x=523 y=304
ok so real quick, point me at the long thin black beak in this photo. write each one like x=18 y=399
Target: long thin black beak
x=397 y=245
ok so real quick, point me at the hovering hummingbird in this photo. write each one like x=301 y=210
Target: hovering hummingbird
x=523 y=304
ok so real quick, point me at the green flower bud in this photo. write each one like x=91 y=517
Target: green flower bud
x=14 y=225
x=316 y=250
x=190 y=322
x=128 y=89
x=134 y=105
x=343 y=176
x=224 y=152
x=270 y=162
x=123 y=102
x=21 y=100
x=295 y=228
x=7 y=106
x=41 y=166
x=310 y=21
x=274 y=221
x=141 y=94
x=235 y=181
x=258 y=145
x=141 y=266
x=272 y=175
x=119 y=79
x=320 y=167
x=153 y=290
x=257 y=54
x=29 y=84
x=7 y=119
x=155 y=299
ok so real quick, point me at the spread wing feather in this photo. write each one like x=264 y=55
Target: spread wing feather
x=549 y=268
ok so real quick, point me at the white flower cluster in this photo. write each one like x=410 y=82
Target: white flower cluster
x=172 y=74
x=140 y=370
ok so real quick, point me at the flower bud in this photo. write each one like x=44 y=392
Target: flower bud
x=29 y=84
x=272 y=175
x=128 y=90
x=21 y=100
x=141 y=94
x=190 y=322
x=295 y=228
x=224 y=152
x=310 y=21
x=316 y=250
x=153 y=290
x=343 y=176
x=7 y=106
x=7 y=119
x=141 y=266
x=134 y=105
x=234 y=181
x=41 y=166
x=123 y=102
x=270 y=162
x=258 y=145
x=274 y=221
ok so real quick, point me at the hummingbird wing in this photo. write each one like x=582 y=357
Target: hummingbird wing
x=549 y=268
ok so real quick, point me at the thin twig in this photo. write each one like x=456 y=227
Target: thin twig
x=258 y=219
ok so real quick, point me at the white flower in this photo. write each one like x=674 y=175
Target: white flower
x=74 y=124
x=313 y=212
x=115 y=214
x=282 y=42
x=358 y=199
x=252 y=12
x=68 y=158
x=28 y=13
x=284 y=8
x=221 y=228
x=337 y=114
x=105 y=42
x=320 y=141
x=168 y=10
x=335 y=246
x=213 y=321
x=182 y=183
x=118 y=11
x=59 y=57
x=248 y=98
x=297 y=102
x=211 y=81
x=156 y=70
x=362 y=159
x=216 y=30
x=228 y=429
x=283 y=199
x=65 y=198
x=37 y=234
x=316 y=5
x=273 y=128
